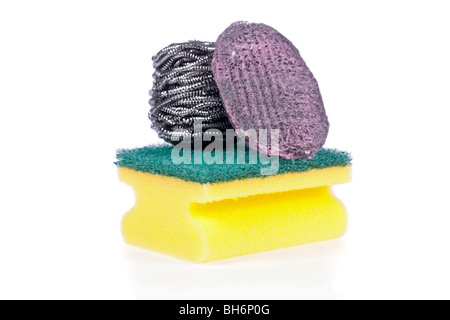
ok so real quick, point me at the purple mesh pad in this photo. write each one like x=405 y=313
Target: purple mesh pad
x=265 y=84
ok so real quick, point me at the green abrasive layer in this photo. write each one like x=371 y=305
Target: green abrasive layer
x=158 y=160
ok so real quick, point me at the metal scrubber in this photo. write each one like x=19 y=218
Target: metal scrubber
x=184 y=92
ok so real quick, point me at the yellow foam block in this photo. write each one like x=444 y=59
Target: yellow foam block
x=205 y=222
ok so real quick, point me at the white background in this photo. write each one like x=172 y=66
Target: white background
x=74 y=81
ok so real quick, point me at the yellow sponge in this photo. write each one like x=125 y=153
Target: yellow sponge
x=202 y=222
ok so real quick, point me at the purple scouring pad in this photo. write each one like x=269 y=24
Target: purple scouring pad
x=265 y=84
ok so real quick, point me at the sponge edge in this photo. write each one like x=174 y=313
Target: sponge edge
x=205 y=222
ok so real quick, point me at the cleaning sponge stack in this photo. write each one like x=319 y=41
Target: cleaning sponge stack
x=252 y=78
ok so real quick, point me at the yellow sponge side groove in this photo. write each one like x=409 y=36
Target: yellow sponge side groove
x=160 y=220
x=269 y=221
x=172 y=216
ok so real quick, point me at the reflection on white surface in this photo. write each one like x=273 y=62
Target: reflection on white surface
x=302 y=272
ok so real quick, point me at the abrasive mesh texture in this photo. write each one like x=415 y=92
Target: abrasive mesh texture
x=265 y=84
x=158 y=160
x=184 y=91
